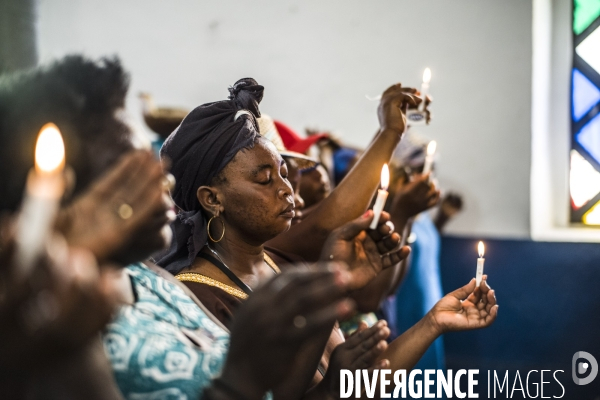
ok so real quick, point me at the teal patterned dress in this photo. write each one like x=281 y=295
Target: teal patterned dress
x=163 y=346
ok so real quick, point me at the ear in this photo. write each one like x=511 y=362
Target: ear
x=210 y=199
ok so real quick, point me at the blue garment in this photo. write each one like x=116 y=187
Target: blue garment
x=422 y=288
x=150 y=344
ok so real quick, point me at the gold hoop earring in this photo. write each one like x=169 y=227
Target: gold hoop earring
x=208 y=230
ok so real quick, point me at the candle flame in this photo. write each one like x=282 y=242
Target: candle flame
x=385 y=177
x=431 y=147
x=49 y=150
x=427 y=75
x=481 y=249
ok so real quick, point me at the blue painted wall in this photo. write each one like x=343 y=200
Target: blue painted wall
x=549 y=297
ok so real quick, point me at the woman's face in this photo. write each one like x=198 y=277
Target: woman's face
x=314 y=186
x=256 y=198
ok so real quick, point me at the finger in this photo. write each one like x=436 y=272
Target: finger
x=361 y=338
x=393 y=258
x=148 y=179
x=117 y=175
x=362 y=326
x=389 y=243
x=391 y=90
x=408 y=90
x=384 y=227
x=353 y=228
x=368 y=357
x=463 y=292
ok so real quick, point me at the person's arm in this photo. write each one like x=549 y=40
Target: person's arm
x=353 y=195
x=408 y=200
x=464 y=309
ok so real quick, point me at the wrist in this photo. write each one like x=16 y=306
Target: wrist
x=395 y=133
x=431 y=326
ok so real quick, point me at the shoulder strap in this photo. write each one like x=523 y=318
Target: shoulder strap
x=219 y=264
x=163 y=273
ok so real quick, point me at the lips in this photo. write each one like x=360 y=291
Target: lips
x=298 y=217
x=288 y=212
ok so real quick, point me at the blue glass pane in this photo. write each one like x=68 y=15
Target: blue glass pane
x=589 y=137
x=585 y=95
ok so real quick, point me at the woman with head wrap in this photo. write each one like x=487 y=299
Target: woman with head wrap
x=234 y=194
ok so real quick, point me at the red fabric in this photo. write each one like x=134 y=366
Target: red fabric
x=294 y=142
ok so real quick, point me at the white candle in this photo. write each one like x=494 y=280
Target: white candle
x=44 y=189
x=480 y=262
x=425 y=87
x=431 y=147
x=382 y=195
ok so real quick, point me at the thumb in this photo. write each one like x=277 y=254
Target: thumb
x=353 y=228
x=464 y=292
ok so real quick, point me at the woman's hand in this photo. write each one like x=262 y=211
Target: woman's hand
x=119 y=209
x=414 y=197
x=394 y=103
x=367 y=253
x=56 y=311
x=265 y=340
x=360 y=351
x=465 y=308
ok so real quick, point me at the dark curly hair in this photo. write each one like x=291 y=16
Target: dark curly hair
x=83 y=98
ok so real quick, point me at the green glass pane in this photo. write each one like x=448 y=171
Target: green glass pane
x=585 y=12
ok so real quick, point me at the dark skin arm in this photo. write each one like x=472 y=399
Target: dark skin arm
x=410 y=198
x=464 y=309
x=361 y=250
x=353 y=195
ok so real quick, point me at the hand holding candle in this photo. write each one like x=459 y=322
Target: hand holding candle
x=44 y=189
x=382 y=195
x=480 y=262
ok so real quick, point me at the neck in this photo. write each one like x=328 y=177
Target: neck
x=240 y=256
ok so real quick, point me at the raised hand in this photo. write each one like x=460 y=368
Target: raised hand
x=121 y=207
x=394 y=103
x=367 y=253
x=265 y=340
x=451 y=204
x=465 y=308
x=415 y=196
x=56 y=311
x=360 y=351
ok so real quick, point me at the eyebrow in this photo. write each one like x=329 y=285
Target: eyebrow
x=262 y=167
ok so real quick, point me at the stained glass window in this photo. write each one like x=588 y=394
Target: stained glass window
x=585 y=114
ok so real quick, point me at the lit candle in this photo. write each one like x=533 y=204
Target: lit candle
x=480 y=262
x=431 y=147
x=382 y=196
x=44 y=190
x=425 y=87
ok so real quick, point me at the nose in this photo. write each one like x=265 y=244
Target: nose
x=298 y=200
x=285 y=190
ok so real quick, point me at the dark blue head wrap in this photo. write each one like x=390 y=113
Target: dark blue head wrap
x=205 y=142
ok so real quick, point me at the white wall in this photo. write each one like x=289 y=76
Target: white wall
x=317 y=61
